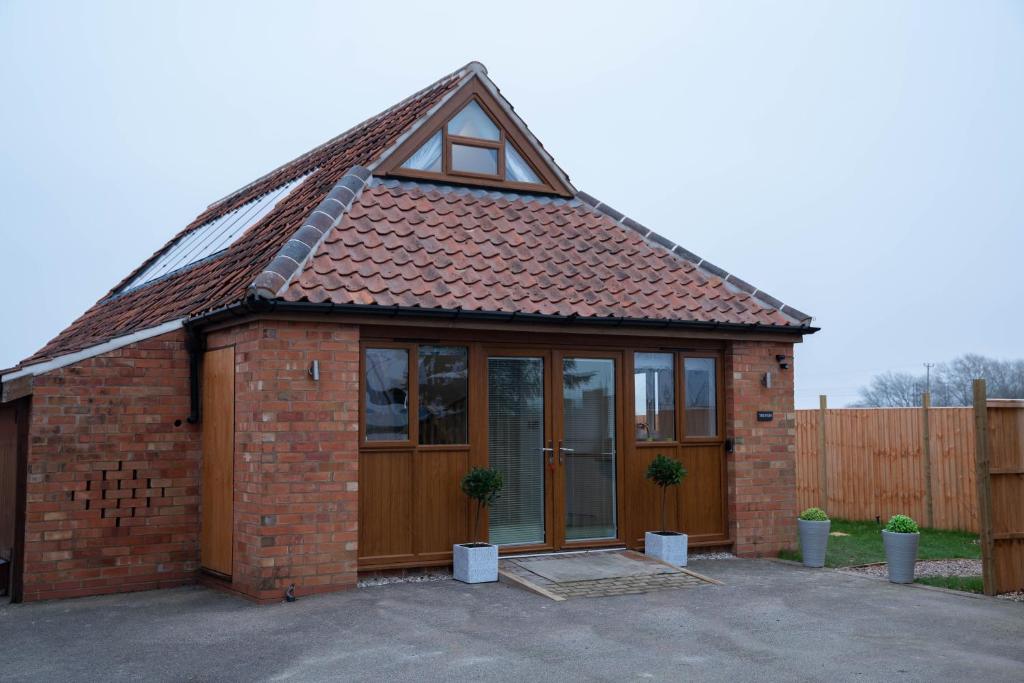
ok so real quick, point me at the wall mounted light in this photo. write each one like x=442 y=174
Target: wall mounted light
x=782 y=361
x=767 y=380
x=314 y=370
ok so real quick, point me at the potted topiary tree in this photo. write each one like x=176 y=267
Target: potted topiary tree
x=900 y=537
x=477 y=561
x=814 y=528
x=668 y=546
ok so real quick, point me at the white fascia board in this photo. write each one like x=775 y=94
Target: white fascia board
x=111 y=345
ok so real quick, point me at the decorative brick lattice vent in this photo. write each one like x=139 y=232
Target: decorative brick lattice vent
x=120 y=491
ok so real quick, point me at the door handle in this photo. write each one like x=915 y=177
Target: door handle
x=562 y=451
x=550 y=453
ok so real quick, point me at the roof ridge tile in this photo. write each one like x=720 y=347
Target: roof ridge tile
x=292 y=258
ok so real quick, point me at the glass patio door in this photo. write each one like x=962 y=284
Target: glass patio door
x=516 y=447
x=587 y=448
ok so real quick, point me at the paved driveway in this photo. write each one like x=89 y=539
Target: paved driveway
x=770 y=621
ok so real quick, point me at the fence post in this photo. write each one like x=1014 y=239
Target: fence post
x=822 y=455
x=926 y=452
x=988 y=569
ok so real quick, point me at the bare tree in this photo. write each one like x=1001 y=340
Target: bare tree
x=892 y=390
x=1004 y=379
x=950 y=385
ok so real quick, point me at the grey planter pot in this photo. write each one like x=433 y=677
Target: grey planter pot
x=475 y=562
x=900 y=555
x=668 y=547
x=814 y=541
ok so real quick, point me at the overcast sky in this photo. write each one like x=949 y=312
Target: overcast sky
x=860 y=161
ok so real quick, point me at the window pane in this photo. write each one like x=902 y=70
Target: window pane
x=472 y=122
x=588 y=414
x=387 y=395
x=654 y=379
x=516 y=167
x=475 y=159
x=515 y=442
x=444 y=395
x=427 y=157
x=701 y=409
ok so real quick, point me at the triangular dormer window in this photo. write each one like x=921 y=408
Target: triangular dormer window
x=472 y=140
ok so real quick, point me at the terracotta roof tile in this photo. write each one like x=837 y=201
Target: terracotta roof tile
x=422 y=245
x=430 y=246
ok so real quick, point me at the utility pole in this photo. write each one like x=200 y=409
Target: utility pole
x=928 y=376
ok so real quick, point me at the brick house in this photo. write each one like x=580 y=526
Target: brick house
x=290 y=390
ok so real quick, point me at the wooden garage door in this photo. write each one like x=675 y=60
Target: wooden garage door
x=218 y=406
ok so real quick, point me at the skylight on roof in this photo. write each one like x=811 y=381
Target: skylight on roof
x=212 y=237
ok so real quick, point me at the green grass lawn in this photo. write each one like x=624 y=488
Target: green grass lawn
x=970 y=584
x=863 y=545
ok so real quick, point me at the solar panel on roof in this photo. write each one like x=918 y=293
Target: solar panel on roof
x=213 y=236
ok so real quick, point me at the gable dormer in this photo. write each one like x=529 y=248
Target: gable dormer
x=473 y=139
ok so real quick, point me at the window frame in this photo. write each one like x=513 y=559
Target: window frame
x=719 y=397
x=549 y=181
x=412 y=389
x=469 y=390
x=644 y=443
x=412 y=355
x=446 y=153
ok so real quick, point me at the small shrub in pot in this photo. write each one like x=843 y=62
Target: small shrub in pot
x=668 y=546
x=900 y=537
x=814 y=529
x=477 y=561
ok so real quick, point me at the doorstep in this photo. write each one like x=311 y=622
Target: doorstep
x=596 y=573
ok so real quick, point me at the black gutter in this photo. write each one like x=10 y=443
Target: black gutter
x=254 y=305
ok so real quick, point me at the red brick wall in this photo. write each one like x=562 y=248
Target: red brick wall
x=296 y=457
x=762 y=470
x=112 y=498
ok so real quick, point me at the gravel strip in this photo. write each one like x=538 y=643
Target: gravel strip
x=926 y=568
x=424 y=577
x=710 y=556
x=1012 y=597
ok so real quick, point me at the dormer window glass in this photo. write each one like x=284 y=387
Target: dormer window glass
x=516 y=167
x=472 y=122
x=427 y=157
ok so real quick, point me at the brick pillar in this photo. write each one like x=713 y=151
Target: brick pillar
x=762 y=470
x=296 y=457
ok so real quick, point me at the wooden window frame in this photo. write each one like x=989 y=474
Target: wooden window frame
x=631 y=409
x=474 y=91
x=446 y=153
x=719 y=435
x=413 y=442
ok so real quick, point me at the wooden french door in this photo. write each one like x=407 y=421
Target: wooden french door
x=553 y=432
x=586 y=407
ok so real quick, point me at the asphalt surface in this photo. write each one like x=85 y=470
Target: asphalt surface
x=770 y=621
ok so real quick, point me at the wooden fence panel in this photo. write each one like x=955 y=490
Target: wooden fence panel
x=876 y=464
x=1006 y=493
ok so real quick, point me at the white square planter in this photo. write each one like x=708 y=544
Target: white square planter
x=668 y=547
x=475 y=562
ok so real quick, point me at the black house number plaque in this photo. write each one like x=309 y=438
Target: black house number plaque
x=765 y=415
